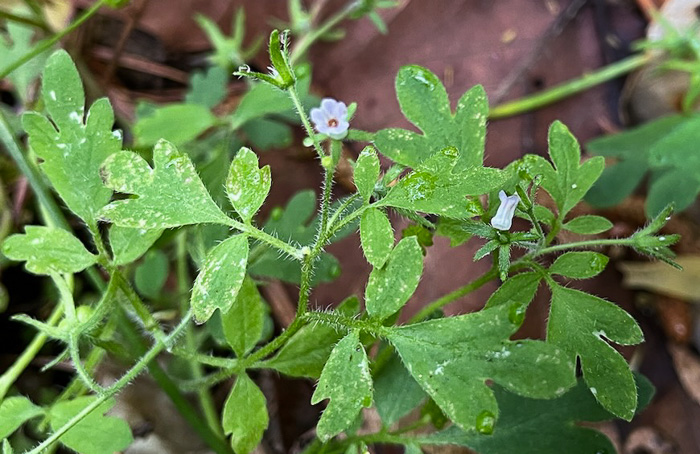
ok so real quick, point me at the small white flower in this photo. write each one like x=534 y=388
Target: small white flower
x=331 y=118
x=504 y=216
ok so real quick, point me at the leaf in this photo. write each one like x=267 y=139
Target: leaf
x=577 y=323
x=516 y=293
x=128 y=244
x=265 y=134
x=243 y=322
x=245 y=415
x=452 y=358
x=452 y=229
x=18 y=44
x=247 y=185
x=207 y=88
x=366 y=173
x=677 y=186
x=48 y=250
x=533 y=426
x=579 y=264
x=15 y=411
x=617 y=182
x=678 y=147
x=635 y=142
x=346 y=381
x=396 y=393
x=220 y=279
x=297 y=224
x=151 y=274
x=176 y=123
x=95 y=433
x=571 y=180
x=423 y=100
x=169 y=195
x=588 y=225
x=306 y=352
x=435 y=187
x=389 y=287
x=6 y=448
x=72 y=150
x=376 y=236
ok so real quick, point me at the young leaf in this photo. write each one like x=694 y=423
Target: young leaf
x=72 y=150
x=366 y=172
x=396 y=393
x=452 y=358
x=376 y=236
x=435 y=187
x=220 y=279
x=48 y=250
x=579 y=264
x=243 y=323
x=169 y=195
x=423 y=100
x=307 y=351
x=577 y=323
x=516 y=292
x=572 y=179
x=346 y=381
x=389 y=287
x=588 y=225
x=247 y=185
x=128 y=244
x=95 y=433
x=176 y=123
x=15 y=411
x=534 y=426
x=245 y=415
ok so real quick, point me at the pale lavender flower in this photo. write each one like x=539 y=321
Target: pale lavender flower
x=331 y=118
x=504 y=216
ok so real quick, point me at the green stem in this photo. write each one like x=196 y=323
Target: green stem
x=569 y=88
x=305 y=120
x=337 y=320
x=305 y=43
x=265 y=237
x=112 y=390
x=21 y=363
x=23 y=20
x=45 y=44
x=585 y=244
x=183 y=284
x=339 y=211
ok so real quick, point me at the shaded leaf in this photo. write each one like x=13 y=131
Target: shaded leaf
x=176 y=123
x=15 y=411
x=245 y=415
x=243 y=322
x=129 y=244
x=95 y=433
x=396 y=392
x=151 y=274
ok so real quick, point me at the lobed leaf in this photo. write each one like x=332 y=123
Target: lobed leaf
x=72 y=147
x=220 y=279
x=48 y=250
x=245 y=415
x=577 y=323
x=452 y=359
x=170 y=194
x=390 y=286
x=247 y=185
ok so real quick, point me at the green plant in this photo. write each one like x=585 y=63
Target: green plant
x=464 y=369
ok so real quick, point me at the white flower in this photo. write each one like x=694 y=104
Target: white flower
x=504 y=216
x=331 y=118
